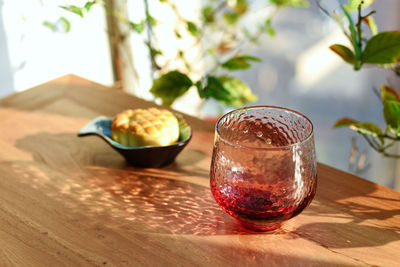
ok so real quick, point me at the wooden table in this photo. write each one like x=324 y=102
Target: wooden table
x=70 y=201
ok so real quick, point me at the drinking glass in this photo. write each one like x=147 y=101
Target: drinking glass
x=263 y=170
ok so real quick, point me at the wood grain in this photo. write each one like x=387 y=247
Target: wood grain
x=69 y=201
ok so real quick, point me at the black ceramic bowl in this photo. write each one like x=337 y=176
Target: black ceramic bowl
x=140 y=156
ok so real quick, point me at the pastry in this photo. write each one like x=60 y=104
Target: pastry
x=145 y=127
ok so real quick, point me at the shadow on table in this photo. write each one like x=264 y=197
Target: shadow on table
x=98 y=183
x=348 y=235
x=264 y=251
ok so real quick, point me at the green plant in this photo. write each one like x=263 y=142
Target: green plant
x=380 y=140
x=226 y=53
x=381 y=49
x=222 y=38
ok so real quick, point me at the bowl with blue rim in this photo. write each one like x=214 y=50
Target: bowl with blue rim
x=140 y=156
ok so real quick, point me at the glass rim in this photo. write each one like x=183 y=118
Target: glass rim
x=265 y=148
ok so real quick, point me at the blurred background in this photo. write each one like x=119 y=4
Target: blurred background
x=297 y=71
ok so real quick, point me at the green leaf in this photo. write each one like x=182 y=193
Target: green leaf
x=353 y=4
x=241 y=6
x=137 y=27
x=170 y=86
x=370 y=128
x=367 y=128
x=267 y=27
x=383 y=48
x=345 y=122
x=50 y=25
x=208 y=14
x=88 y=5
x=153 y=51
x=227 y=90
x=344 y=52
x=371 y=24
x=239 y=92
x=65 y=24
x=210 y=51
x=389 y=93
x=200 y=90
x=177 y=34
x=299 y=3
x=192 y=28
x=62 y=24
x=391 y=112
x=239 y=62
x=215 y=89
x=151 y=19
x=74 y=9
x=231 y=17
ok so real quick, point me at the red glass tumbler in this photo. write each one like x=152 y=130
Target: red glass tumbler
x=263 y=169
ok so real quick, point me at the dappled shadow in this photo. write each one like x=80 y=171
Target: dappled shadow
x=357 y=223
x=266 y=250
x=162 y=205
x=348 y=235
x=161 y=200
x=165 y=204
x=88 y=177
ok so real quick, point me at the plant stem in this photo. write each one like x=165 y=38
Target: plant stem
x=318 y=3
x=369 y=14
x=376 y=142
x=358 y=25
x=149 y=37
x=372 y=144
x=388 y=145
x=395 y=138
x=391 y=155
x=354 y=38
x=381 y=149
x=338 y=20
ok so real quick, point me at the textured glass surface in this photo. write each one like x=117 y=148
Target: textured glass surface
x=263 y=168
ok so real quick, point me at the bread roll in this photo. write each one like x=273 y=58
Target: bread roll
x=145 y=127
